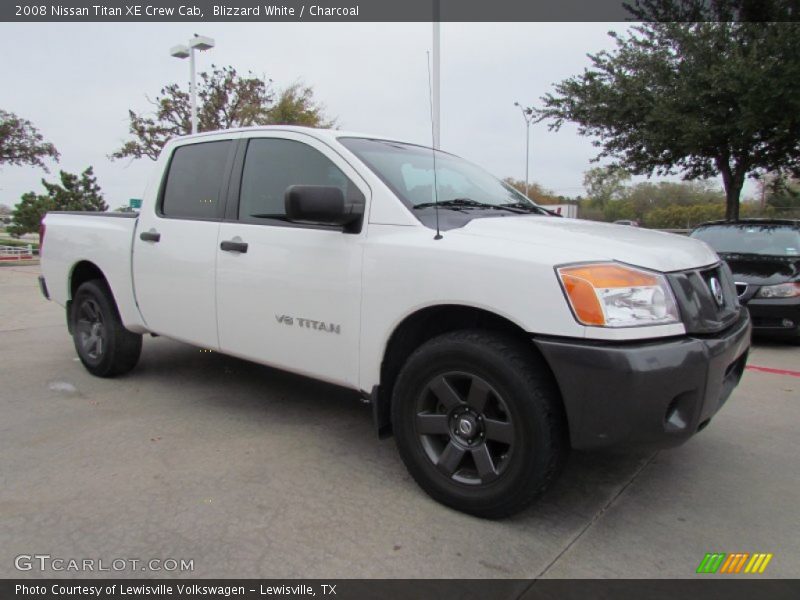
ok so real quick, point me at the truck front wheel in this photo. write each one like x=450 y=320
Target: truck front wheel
x=478 y=422
x=103 y=344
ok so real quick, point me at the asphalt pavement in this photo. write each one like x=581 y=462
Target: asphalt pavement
x=250 y=472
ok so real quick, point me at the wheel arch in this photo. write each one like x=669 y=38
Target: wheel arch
x=81 y=272
x=423 y=325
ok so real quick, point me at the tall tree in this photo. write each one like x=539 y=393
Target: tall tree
x=73 y=192
x=783 y=194
x=225 y=100
x=604 y=184
x=697 y=98
x=22 y=144
x=295 y=105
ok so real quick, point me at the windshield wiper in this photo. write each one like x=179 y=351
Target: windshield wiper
x=461 y=203
x=454 y=203
x=525 y=207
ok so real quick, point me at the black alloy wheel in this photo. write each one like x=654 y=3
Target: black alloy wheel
x=103 y=344
x=90 y=329
x=479 y=422
x=465 y=427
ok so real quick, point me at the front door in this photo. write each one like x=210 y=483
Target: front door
x=289 y=294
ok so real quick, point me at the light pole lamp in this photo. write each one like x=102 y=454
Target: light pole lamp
x=527 y=114
x=198 y=42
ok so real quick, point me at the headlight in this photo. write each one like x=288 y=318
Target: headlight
x=782 y=290
x=614 y=295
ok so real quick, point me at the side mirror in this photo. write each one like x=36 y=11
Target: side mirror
x=321 y=204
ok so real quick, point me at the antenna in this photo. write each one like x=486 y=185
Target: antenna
x=438 y=235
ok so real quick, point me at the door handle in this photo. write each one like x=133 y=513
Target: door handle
x=150 y=236
x=230 y=246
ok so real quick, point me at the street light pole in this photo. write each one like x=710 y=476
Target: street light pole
x=527 y=114
x=193 y=90
x=198 y=42
x=436 y=76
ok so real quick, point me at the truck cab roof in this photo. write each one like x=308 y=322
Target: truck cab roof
x=329 y=134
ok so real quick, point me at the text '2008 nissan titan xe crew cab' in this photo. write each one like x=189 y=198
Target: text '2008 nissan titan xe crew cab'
x=488 y=350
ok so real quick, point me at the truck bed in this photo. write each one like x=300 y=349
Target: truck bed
x=102 y=238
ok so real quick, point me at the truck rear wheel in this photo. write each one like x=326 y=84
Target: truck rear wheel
x=103 y=344
x=479 y=423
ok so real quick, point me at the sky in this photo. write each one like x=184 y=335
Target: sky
x=76 y=82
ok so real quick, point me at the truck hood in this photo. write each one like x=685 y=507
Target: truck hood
x=646 y=248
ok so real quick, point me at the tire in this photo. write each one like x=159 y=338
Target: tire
x=103 y=344
x=479 y=422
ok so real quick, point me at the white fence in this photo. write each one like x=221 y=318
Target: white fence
x=16 y=252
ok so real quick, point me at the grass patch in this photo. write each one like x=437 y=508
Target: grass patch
x=13 y=242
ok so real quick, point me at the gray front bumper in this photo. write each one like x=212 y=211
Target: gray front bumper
x=656 y=393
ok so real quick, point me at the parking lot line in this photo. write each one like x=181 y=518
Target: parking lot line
x=774 y=371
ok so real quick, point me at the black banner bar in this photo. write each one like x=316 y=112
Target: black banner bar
x=713 y=588
x=302 y=10
x=250 y=11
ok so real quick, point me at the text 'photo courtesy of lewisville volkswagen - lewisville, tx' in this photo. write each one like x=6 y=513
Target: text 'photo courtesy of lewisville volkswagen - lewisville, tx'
x=408 y=301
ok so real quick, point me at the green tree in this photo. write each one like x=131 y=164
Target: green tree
x=604 y=184
x=647 y=196
x=701 y=98
x=681 y=217
x=620 y=209
x=28 y=213
x=73 y=192
x=295 y=105
x=678 y=216
x=225 y=99
x=663 y=193
x=783 y=195
x=22 y=144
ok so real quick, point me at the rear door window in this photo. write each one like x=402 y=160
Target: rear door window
x=194 y=181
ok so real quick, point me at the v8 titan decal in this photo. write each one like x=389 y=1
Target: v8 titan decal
x=308 y=323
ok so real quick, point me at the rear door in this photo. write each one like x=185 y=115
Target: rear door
x=289 y=294
x=175 y=245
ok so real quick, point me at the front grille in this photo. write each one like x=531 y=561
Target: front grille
x=741 y=289
x=707 y=298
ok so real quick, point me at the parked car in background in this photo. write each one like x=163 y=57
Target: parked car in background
x=627 y=222
x=764 y=256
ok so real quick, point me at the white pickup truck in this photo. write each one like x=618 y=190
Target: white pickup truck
x=489 y=335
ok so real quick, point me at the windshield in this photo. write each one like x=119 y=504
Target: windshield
x=752 y=238
x=408 y=170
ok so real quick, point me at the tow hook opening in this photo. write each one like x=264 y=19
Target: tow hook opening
x=736 y=368
x=676 y=417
